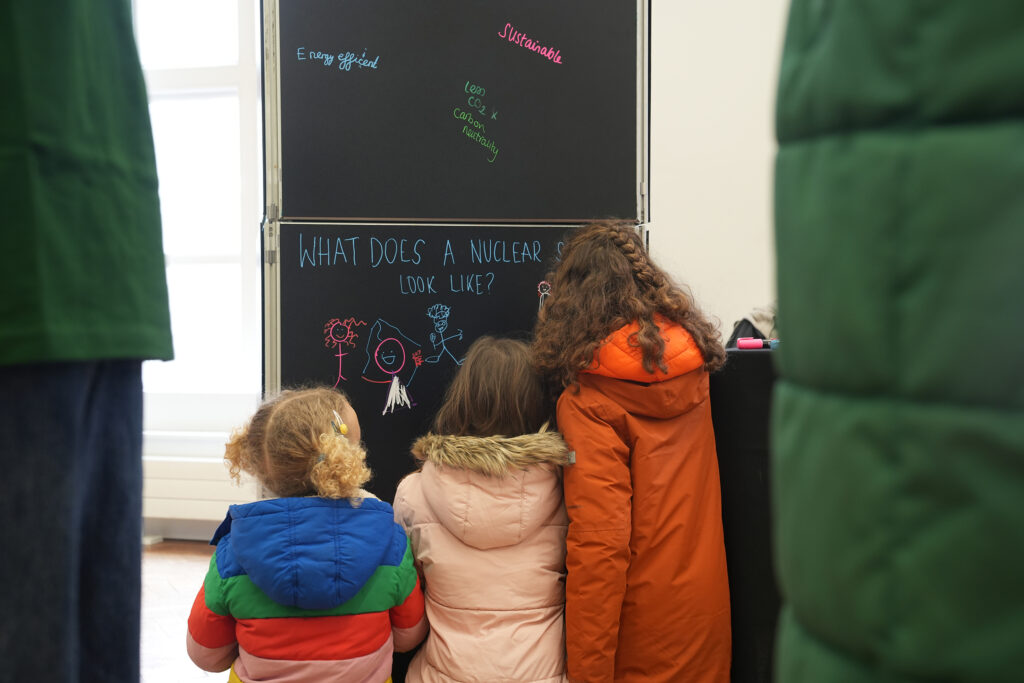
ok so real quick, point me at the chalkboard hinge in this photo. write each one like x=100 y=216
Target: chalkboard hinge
x=270 y=235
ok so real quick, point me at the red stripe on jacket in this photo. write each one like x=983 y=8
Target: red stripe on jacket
x=411 y=611
x=305 y=638
x=208 y=628
x=311 y=638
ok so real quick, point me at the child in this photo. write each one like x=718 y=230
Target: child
x=487 y=526
x=324 y=549
x=647 y=595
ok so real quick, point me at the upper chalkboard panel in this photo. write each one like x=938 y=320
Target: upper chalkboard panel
x=461 y=110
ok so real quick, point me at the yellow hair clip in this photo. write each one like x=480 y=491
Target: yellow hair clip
x=339 y=427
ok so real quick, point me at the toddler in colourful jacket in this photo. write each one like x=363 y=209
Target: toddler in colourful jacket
x=319 y=583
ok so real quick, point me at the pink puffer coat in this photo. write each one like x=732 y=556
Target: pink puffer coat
x=487 y=524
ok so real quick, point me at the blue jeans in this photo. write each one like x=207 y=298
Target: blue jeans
x=70 y=521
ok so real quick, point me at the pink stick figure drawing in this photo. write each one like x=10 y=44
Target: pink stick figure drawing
x=392 y=359
x=338 y=332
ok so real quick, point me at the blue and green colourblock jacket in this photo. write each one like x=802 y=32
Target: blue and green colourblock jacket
x=301 y=587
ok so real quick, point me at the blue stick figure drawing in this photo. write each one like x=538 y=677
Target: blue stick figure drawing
x=440 y=312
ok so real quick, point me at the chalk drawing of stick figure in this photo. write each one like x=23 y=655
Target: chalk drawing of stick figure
x=388 y=352
x=543 y=291
x=338 y=332
x=391 y=354
x=439 y=313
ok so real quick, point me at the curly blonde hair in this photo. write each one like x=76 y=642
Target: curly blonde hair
x=291 y=447
x=606 y=280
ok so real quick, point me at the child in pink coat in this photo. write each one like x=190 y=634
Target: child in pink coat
x=487 y=525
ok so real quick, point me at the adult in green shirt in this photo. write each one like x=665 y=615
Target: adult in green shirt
x=83 y=301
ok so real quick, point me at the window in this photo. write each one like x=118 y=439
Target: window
x=202 y=64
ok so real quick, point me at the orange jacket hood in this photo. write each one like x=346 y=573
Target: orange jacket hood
x=618 y=358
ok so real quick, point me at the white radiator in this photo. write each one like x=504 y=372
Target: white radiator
x=186 y=487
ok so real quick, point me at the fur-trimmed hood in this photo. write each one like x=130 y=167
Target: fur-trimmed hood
x=495 y=491
x=494 y=456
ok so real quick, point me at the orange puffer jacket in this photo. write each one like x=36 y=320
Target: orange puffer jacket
x=647 y=594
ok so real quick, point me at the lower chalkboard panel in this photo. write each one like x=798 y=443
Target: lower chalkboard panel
x=386 y=313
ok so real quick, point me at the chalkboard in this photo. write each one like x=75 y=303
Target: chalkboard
x=458 y=110
x=386 y=314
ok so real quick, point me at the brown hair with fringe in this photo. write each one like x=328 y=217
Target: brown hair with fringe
x=605 y=281
x=290 y=445
x=495 y=392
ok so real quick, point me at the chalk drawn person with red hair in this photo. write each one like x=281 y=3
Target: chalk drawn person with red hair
x=334 y=338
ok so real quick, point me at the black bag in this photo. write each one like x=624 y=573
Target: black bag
x=743 y=328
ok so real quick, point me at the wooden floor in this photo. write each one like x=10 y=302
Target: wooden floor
x=172 y=572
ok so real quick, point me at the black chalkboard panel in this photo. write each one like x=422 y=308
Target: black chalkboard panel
x=386 y=313
x=458 y=110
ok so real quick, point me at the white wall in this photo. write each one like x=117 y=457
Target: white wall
x=714 y=67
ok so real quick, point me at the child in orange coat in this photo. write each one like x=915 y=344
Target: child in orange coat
x=647 y=593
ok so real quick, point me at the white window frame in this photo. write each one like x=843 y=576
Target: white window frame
x=184 y=433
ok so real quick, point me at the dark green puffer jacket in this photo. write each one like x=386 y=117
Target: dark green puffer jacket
x=898 y=423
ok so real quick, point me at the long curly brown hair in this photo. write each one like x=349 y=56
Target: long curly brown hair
x=605 y=281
